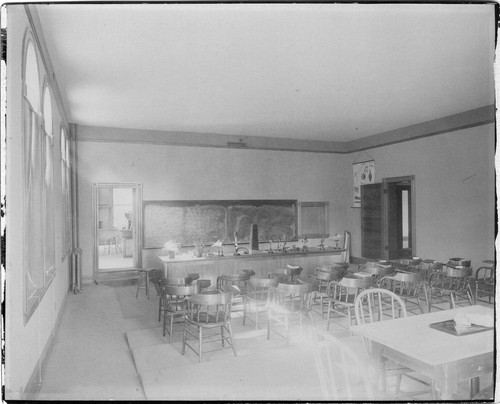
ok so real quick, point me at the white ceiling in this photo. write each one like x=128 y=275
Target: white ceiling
x=304 y=71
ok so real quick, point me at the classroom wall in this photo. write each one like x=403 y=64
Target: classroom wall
x=454 y=174
x=455 y=190
x=25 y=344
x=193 y=173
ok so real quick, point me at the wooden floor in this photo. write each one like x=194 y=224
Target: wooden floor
x=101 y=353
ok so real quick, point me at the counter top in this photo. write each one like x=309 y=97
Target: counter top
x=255 y=255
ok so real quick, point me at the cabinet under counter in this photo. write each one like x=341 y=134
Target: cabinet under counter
x=262 y=263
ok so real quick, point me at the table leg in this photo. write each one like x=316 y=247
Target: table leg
x=446 y=381
x=474 y=387
x=380 y=360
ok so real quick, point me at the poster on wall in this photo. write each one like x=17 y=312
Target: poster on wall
x=363 y=173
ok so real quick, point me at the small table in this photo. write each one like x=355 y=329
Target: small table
x=447 y=359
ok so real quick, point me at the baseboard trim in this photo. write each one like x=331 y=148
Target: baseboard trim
x=34 y=385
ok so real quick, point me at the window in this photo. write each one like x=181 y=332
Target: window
x=314 y=219
x=39 y=236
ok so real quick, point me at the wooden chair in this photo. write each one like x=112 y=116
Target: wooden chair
x=175 y=305
x=484 y=284
x=280 y=277
x=410 y=287
x=290 y=305
x=236 y=284
x=205 y=312
x=343 y=375
x=169 y=282
x=290 y=274
x=176 y=281
x=338 y=269
x=378 y=304
x=110 y=243
x=203 y=283
x=450 y=285
x=295 y=271
x=258 y=297
x=342 y=295
x=377 y=270
x=321 y=282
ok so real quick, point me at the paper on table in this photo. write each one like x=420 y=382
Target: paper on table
x=466 y=320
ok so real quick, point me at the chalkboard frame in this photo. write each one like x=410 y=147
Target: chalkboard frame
x=226 y=204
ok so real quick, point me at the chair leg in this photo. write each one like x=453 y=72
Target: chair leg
x=164 y=322
x=349 y=320
x=184 y=339
x=200 y=341
x=222 y=335
x=171 y=327
x=256 y=318
x=244 y=311
x=452 y=301
x=232 y=339
x=287 y=330
x=420 y=305
x=138 y=286
x=426 y=296
x=269 y=326
x=328 y=316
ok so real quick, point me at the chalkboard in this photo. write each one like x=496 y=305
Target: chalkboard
x=192 y=222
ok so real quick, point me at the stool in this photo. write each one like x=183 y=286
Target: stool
x=143 y=280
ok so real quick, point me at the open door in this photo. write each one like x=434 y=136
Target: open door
x=117 y=218
x=388 y=219
x=371 y=221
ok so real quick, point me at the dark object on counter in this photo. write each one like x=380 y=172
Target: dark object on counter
x=254 y=238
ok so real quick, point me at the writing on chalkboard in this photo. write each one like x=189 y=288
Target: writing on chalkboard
x=273 y=222
x=205 y=222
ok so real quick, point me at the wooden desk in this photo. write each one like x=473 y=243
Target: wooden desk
x=445 y=358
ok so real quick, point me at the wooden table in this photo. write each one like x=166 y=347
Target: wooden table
x=445 y=358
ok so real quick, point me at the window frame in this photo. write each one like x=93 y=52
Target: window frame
x=324 y=231
x=38 y=186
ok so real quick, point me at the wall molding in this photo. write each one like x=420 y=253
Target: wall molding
x=451 y=123
x=217 y=140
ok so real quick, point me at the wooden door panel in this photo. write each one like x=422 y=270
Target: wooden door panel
x=371 y=221
x=394 y=236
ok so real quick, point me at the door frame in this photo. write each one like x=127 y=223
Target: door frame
x=137 y=195
x=385 y=213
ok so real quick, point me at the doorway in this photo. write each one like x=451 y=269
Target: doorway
x=388 y=227
x=400 y=223
x=117 y=222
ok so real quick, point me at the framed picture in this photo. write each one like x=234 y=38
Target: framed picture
x=363 y=173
